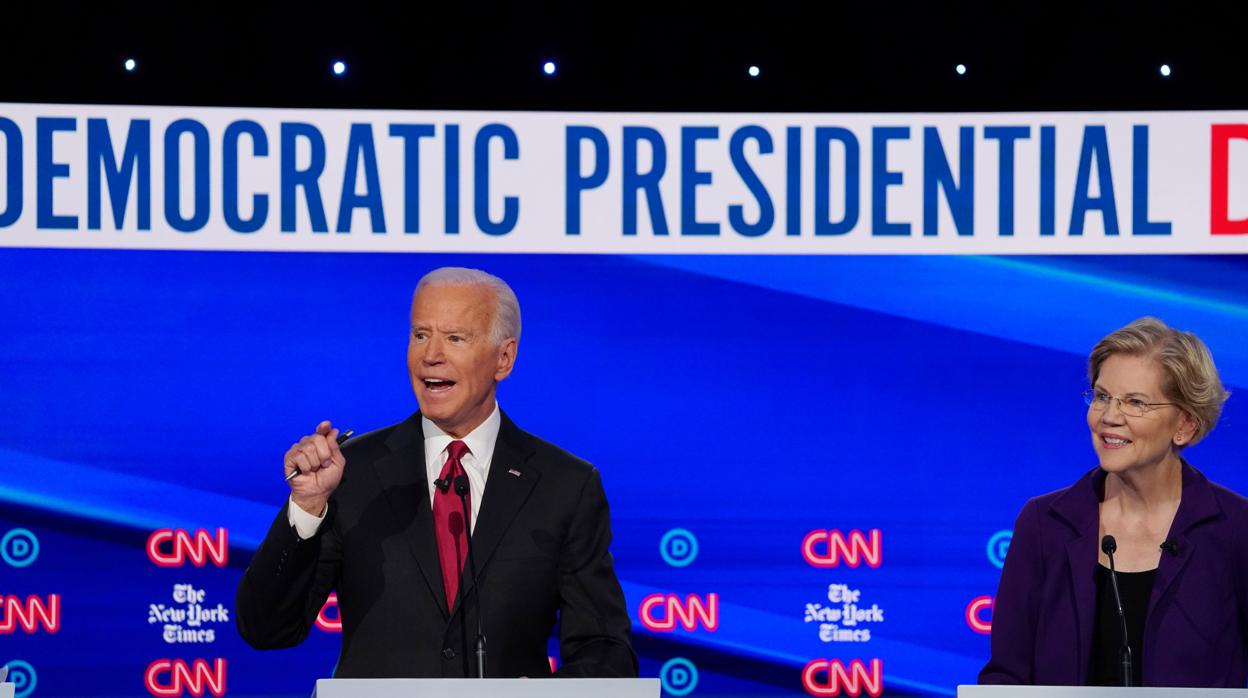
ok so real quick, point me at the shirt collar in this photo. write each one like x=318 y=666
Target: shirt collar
x=480 y=441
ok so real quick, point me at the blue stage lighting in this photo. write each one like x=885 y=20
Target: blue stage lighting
x=340 y=68
x=1165 y=70
x=960 y=69
x=130 y=65
x=754 y=71
x=549 y=67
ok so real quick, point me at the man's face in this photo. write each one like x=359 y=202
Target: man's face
x=452 y=358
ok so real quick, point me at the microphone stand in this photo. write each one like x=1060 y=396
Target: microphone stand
x=461 y=489
x=1109 y=546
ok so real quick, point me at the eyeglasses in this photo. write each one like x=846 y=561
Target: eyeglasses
x=1130 y=406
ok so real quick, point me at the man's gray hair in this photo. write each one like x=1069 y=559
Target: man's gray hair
x=505 y=322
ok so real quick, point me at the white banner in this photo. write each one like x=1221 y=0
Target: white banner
x=398 y=181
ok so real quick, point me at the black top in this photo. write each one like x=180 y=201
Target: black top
x=1135 y=588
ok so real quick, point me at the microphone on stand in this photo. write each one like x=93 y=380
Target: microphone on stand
x=461 y=489
x=1109 y=546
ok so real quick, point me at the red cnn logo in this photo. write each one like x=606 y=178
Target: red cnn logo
x=1220 y=222
x=829 y=677
x=974 y=611
x=181 y=547
x=692 y=612
x=830 y=548
x=173 y=677
x=30 y=615
x=326 y=622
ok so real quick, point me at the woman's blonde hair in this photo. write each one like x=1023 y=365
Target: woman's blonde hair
x=1189 y=377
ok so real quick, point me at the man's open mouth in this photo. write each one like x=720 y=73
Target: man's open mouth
x=438 y=385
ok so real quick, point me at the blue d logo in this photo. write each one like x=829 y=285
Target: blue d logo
x=678 y=547
x=679 y=676
x=22 y=676
x=998 y=546
x=19 y=547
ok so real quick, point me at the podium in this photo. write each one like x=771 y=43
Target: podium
x=6 y=690
x=1097 y=692
x=486 y=688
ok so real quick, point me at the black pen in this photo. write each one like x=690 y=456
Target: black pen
x=342 y=438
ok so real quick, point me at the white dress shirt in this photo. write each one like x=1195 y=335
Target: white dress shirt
x=476 y=462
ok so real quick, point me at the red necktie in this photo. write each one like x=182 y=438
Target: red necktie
x=448 y=522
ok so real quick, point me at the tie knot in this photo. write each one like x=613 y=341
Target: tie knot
x=456 y=450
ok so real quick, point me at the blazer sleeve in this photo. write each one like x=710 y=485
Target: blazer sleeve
x=287 y=583
x=1239 y=572
x=1015 y=610
x=594 y=627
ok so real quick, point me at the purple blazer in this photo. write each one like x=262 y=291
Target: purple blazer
x=1046 y=602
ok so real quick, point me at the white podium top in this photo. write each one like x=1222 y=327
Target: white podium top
x=487 y=688
x=1096 y=692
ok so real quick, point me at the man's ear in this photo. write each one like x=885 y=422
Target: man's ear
x=506 y=358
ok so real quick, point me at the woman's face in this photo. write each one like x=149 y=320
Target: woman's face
x=1126 y=442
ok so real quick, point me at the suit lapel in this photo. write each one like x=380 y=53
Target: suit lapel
x=1081 y=555
x=508 y=484
x=1078 y=508
x=1196 y=505
x=406 y=488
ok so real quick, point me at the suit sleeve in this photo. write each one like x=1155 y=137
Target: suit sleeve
x=1015 y=611
x=287 y=583
x=1239 y=572
x=594 y=634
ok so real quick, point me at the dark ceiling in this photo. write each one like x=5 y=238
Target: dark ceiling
x=684 y=56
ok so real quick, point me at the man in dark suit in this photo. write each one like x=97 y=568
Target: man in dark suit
x=382 y=520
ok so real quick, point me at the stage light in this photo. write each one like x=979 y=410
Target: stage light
x=754 y=71
x=549 y=67
x=130 y=65
x=340 y=68
x=960 y=69
x=1165 y=70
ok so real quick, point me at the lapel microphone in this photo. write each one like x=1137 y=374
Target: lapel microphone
x=443 y=485
x=1109 y=546
x=461 y=489
x=1171 y=547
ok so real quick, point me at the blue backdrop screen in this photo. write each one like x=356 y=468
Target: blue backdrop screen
x=813 y=463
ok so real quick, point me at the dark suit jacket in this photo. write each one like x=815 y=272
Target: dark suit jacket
x=541 y=542
x=1194 y=632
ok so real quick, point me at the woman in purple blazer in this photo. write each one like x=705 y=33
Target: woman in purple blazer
x=1181 y=555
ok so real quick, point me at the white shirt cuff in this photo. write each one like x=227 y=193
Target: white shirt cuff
x=306 y=525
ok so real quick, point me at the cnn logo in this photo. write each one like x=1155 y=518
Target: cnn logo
x=831 y=548
x=328 y=619
x=976 y=610
x=172 y=547
x=830 y=677
x=30 y=614
x=174 y=677
x=662 y=612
